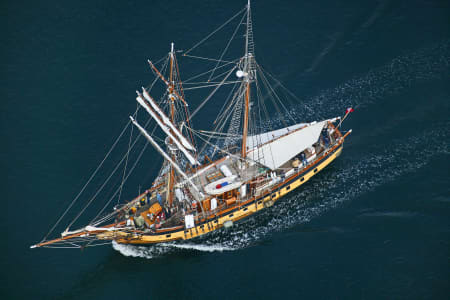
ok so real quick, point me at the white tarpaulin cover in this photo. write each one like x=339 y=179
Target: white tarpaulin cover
x=279 y=151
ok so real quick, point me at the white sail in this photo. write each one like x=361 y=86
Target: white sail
x=259 y=139
x=166 y=129
x=277 y=152
x=167 y=121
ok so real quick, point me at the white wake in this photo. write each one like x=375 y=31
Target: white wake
x=166 y=248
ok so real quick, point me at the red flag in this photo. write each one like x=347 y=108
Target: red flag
x=349 y=110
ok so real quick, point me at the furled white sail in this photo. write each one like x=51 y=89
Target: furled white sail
x=166 y=120
x=164 y=154
x=277 y=152
x=166 y=129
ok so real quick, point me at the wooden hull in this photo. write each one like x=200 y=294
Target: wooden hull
x=233 y=214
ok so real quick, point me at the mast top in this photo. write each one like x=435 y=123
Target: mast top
x=249 y=43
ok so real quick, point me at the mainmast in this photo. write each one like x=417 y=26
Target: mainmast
x=248 y=68
x=171 y=179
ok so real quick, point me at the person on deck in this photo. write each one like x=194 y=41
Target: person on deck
x=159 y=198
x=167 y=212
x=303 y=158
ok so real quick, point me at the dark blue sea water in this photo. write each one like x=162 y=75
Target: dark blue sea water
x=374 y=225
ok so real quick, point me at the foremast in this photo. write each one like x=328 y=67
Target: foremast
x=172 y=124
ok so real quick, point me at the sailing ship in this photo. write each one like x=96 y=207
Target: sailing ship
x=249 y=164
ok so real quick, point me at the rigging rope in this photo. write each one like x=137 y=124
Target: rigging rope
x=207 y=58
x=126 y=161
x=109 y=216
x=102 y=186
x=206 y=72
x=228 y=45
x=214 y=146
x=132 y=127
x=274 y=97
x=115 y=169
x=288 y=91
x=212 y=33
x=87 y=183
x=210 y=85
x=96 y=170
x=212 y=93
x=112 y=197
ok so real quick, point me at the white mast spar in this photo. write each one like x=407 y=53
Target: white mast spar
x=167 y=121
x=165 y=155
x=166 y=129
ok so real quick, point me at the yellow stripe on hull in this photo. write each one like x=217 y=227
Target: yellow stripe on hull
x=233 y=216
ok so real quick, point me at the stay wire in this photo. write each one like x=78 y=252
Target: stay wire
x=212 y=33
x=87 y=183
x=126 y=161
x=103 y=185
x=95 y=172
x=212 y=93
x=228 y=45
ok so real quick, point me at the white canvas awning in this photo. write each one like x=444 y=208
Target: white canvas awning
x=277 y=152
